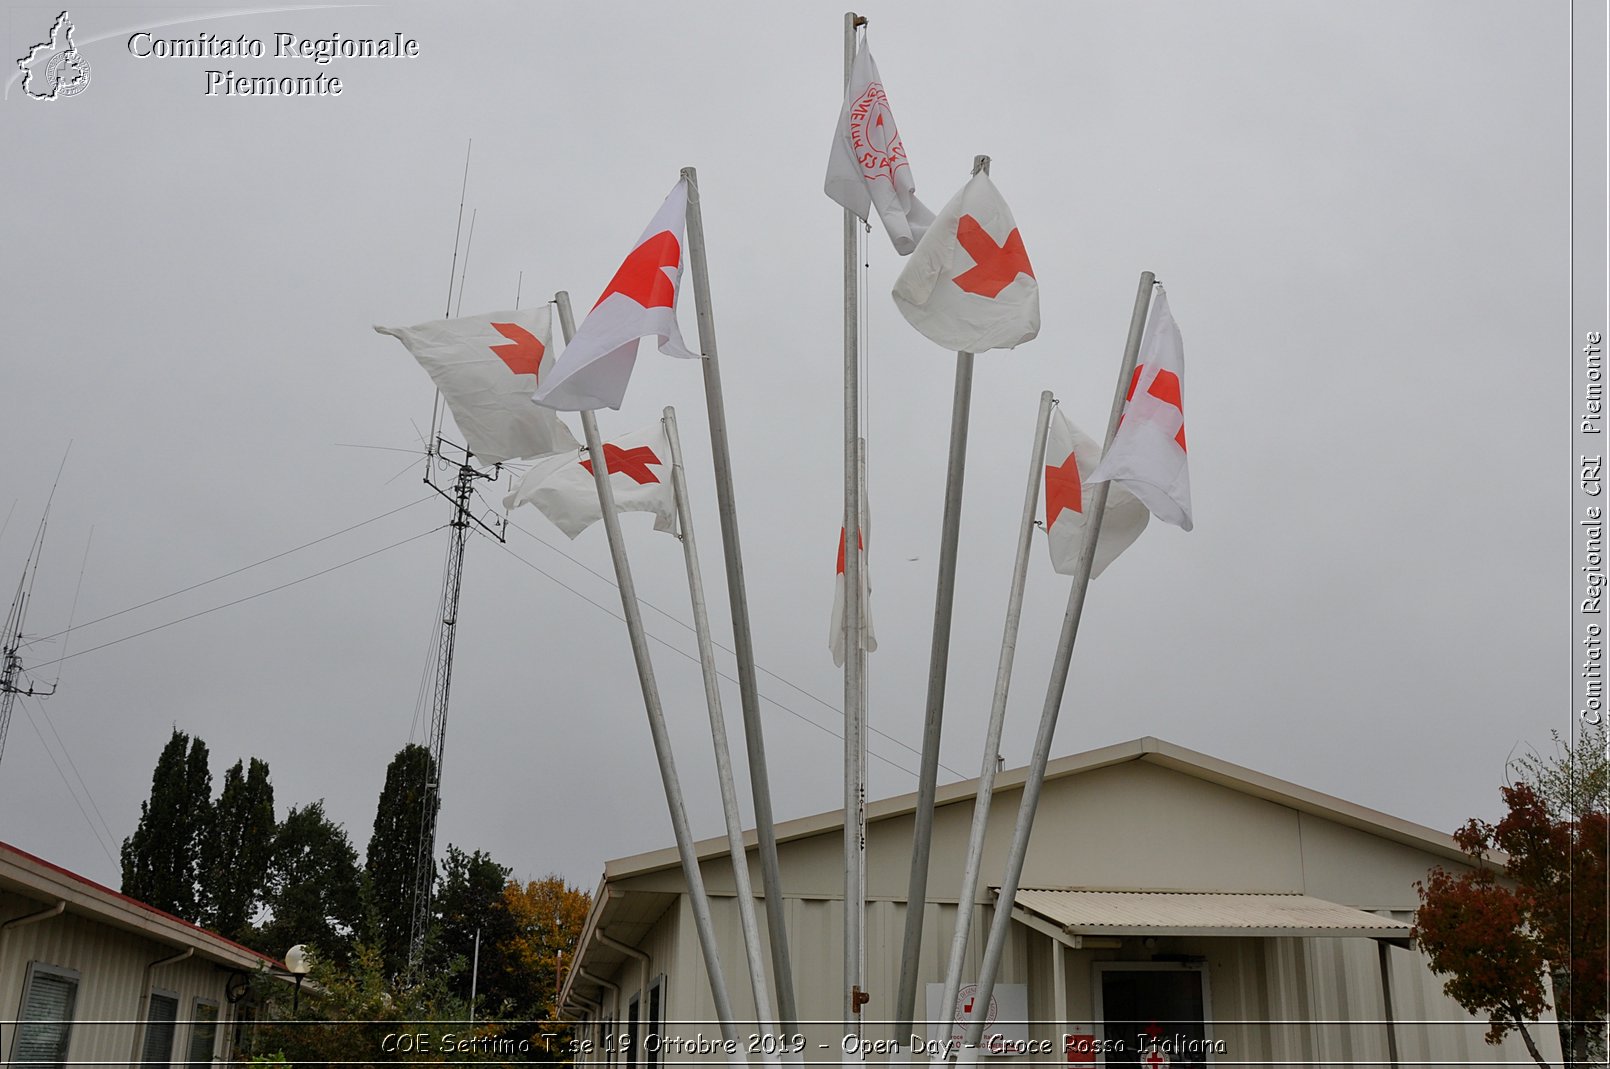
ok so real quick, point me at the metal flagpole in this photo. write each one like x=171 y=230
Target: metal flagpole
x=854 y=907
x=1002 y=921
x=738 y=597
x=938 y=667
x=651 y=704
x=718 y=735
x=997 y=717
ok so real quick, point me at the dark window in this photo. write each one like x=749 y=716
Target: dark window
x=654 y=1022
x=159 y=1026
x=633 y=1051
x=203 y=1033
x=45 y=1023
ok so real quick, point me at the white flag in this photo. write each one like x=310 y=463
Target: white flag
x=640 y=300
x=867 y=166
x=486 y=367
x=1148 y=453
x=639 y=465
x=1068 y=452
x=969 y=286
x=836 y=630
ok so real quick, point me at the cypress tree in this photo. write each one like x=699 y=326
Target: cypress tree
x=238 y=851
x=393 y=854
x=162 y=859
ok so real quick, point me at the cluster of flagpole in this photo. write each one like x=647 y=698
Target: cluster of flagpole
x=968 y=285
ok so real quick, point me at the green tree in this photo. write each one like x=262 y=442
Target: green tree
x=238 y=851
x=162 y=859
x=1499 y=932
x=313 y=887
x=345 y=1010
x=393 y=854
x=469 y=900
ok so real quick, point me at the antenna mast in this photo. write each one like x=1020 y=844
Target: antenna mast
x=463 y=489
x=11 y=684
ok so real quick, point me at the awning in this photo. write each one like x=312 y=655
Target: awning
x=1158 y=913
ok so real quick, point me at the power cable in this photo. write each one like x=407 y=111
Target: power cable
x=248 y=597
x=226 y=575
x=824 y=703
x=694 y=658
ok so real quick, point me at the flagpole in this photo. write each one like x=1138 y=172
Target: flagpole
x=854 y=658
x=938 y=669
x=738 y=598
x=699 y=903
x=718 y=735
x=1002 y=921
x=997 y=717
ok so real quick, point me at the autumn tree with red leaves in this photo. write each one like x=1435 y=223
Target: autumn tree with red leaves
x=1507 y=935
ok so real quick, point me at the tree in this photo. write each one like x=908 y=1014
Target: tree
x=546 y=916
x=470 y=900
x=393 y=854
x=1496 y=940
x=313 y=887
x=162 y=859
x=237 y=852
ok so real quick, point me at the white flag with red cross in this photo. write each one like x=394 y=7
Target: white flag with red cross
x=867 y=166
x=969 y=286
x=639 y=301
x=1147 y=455
x=836 y=629
x=486 y=367
x=564 y=490
x=1068 y=453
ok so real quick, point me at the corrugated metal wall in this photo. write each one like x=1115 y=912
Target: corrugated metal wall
x=111 y=965
x=1300 y=1001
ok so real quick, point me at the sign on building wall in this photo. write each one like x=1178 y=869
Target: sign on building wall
x=1006 y=1028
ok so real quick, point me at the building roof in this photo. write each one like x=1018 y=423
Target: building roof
x=1160 y=913
x=1147 y=749
x=33 y=877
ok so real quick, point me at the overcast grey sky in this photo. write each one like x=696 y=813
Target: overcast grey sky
x=1359 y=211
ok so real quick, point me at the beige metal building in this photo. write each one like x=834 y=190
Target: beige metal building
x=1171 y=902
x=91 y=976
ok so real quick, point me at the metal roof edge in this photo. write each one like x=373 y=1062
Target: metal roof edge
x=87 y=898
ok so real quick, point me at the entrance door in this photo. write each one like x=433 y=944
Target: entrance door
x=1153 y=1014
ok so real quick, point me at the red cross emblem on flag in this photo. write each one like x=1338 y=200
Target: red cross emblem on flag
x=632 y=463
x=1166 y=388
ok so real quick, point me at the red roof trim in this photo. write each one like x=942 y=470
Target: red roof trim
x=121 y=897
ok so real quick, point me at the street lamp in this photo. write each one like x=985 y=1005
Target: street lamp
x=297 y=962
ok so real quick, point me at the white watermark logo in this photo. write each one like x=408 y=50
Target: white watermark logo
x=54 y=69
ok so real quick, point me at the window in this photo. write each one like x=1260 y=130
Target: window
x=654 y=1022
x=1154 y=1006
x=633 y=1051
x=45 y=1021
x=203 y=1032
x=160 y=1018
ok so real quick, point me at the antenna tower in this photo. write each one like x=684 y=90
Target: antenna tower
x=460 y=494
x=11 y=675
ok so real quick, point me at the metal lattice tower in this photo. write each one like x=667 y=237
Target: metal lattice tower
x=446 y=634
